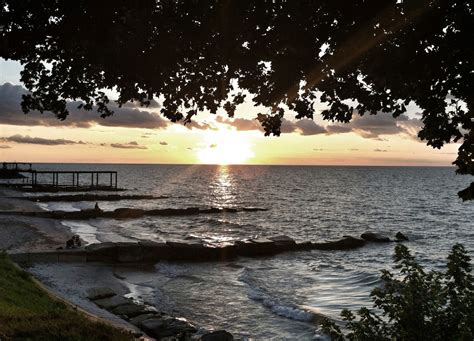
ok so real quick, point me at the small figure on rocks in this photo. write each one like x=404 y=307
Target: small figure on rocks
x=70 y=244
x=74 y=242
x=97 y=208
x=77 y=240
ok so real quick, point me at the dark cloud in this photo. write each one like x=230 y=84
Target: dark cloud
x=338 y=129
x=26 y=139
x=129 y=145
x=129 y=115
x=373 y=126
x=197 y=125
x=318 y=149
x=380 y=150
x=303 y=127
x=213 y=145
x=5 y=146
x=163 y=143
x=241 y=124
x=308 y=127
x=354 y=149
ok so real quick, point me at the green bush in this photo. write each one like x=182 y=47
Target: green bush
x=415 y=304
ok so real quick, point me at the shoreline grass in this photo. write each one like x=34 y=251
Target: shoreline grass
x=28 y=312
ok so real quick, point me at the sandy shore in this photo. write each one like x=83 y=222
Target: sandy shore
x=68 y=281
x=19 y=233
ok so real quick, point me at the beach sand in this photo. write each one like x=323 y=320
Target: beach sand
x=69 y=282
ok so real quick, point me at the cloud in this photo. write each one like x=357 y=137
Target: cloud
x=308 y=127
x=129 y=116
x=303 y=127
x=241 y=124
x=374 y=126
x=129 y=145
x=4 y=146
x=354 y=149
x=318 y=149
x=380 y=150
x=214 y=145
x=26 y=139
x=163 y=143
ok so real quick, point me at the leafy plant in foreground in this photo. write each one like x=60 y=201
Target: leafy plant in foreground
x=415 y=304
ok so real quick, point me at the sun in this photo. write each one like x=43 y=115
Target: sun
x=225 y=147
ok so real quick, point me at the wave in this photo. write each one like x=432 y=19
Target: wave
x=276 y=305
x=227 y=223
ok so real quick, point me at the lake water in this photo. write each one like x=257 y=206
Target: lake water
x=279 y=297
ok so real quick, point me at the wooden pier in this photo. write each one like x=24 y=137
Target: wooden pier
x=13 y=170
x=75 y=180
x=23 y=175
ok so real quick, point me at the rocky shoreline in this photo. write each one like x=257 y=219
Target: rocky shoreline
x=149 y=252
x=133 y=213
x=154 y=323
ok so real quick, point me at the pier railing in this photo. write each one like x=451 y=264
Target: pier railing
x=89 y=179
x=20 y=174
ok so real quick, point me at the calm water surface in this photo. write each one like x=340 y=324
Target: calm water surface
x=280 y=297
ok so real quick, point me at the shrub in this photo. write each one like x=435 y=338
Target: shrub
x=415 y=304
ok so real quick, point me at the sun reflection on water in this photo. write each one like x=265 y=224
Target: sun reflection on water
x=223 y=188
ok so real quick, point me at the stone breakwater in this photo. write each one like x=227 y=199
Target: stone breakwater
x=89 y=197
x=133 y=213
x=154 y=323
x=190 y=251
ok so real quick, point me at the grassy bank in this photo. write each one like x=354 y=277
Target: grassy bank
x=28 y=312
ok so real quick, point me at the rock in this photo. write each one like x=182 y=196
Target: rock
x=154 y=251
x=187 y=250
x=401 y=237
x=218 y=335
x=102 y=252
x=346 y=243
x=99 y=292
x=130 y=310
x=375 y=237
x=110 y=303
x=303 y=246
x=165 y=326
x=129 y=252
x=283 y=243
x=127 y=213
x=282 y=240
x=138 y=319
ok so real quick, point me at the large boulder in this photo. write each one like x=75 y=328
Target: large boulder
x=375 y=237
x=102 y=252
x=255 y=247
x=401 y=237
x=191 y=250
x=99 y=292
x=217 y=335
x=283 y=243
x=127 y=213
x=154 y=251
x=166 y=326
x=130 y=310
x=110 y=303
x=346 y=243
x=129 y=252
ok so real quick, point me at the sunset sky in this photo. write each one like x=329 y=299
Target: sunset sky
x=142 y=135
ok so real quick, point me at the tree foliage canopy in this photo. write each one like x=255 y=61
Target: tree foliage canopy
x=416 y=305
x=357 y=57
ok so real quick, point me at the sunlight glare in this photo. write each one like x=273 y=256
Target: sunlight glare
x=225 y=147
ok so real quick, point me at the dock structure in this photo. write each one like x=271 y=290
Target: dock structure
x=74 y=179
x=13 y=170
x=23 y=175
